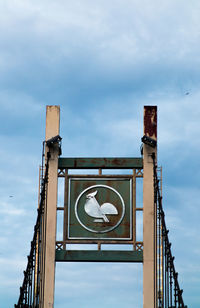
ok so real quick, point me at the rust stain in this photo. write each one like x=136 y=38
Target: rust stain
x=116 y=162
x=150 y=121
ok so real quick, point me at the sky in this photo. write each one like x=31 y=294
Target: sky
x=101 y=61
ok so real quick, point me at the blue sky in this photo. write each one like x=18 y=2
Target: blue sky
x=101 y=61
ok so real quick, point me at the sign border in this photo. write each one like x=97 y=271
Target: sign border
x=103 y=239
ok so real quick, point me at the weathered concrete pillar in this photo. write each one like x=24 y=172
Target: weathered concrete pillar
x=52 y=130
x=149 y=213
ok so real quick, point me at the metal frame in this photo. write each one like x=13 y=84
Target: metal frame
x=160 y=280
x=123 y=205
x=32 y=286
x=99 y=256
x=169 y=293
x=100 y=165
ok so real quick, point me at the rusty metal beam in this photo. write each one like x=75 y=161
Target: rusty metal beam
x=98 y=256
x=104 y=163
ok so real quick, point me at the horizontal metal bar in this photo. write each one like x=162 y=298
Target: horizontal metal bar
x=104 y=163
x=105 y=242
x=114 y=176
x=99 y=256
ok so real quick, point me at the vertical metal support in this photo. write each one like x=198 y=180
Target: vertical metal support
x=134 y=208
x=52 y=130
x=149 y=211
x=37 y=248
x=161 y=247
x=65 y=214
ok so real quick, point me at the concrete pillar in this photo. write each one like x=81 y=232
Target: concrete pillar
x=52 y=130
x=149 y=211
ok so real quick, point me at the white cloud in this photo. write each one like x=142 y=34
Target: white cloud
x=102 y=61
x=19 y=104
x=6 y=209
x=90 y=290
x=121 y=34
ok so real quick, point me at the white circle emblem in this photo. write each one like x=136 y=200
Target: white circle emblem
x=100 y=211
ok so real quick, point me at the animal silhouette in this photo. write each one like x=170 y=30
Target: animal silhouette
x=94 y=209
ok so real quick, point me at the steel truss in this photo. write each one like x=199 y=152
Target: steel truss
x=32 y=287
x=169 y=294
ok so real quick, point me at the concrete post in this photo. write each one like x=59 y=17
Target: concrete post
x=52 y=130
x=149 y=211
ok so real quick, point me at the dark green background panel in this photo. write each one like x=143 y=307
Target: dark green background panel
x=123 y=231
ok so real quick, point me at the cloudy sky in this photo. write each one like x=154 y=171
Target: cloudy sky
x=101 y=61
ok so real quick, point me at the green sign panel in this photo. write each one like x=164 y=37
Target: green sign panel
x=99 y=208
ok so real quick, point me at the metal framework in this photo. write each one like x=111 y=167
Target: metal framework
x=169 y=294
x=32 y=286
x=99 y=165
x=160 y=280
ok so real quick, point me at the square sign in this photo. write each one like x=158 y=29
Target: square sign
x=99 y=208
